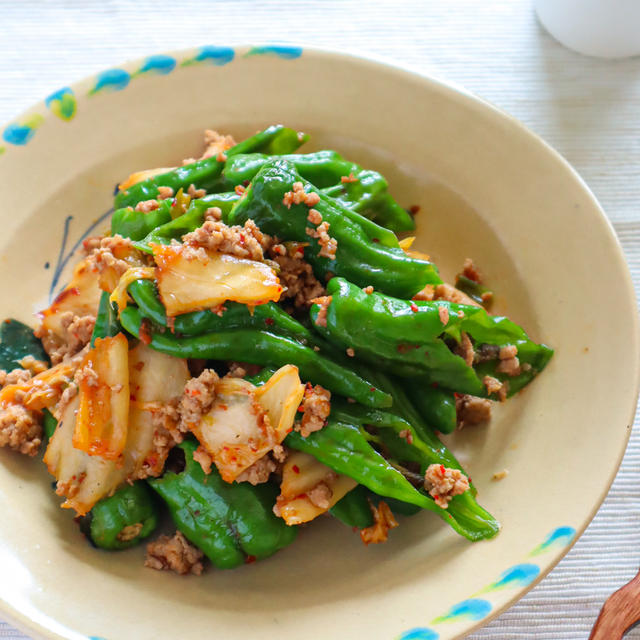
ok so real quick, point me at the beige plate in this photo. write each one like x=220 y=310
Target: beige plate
x=487 y=188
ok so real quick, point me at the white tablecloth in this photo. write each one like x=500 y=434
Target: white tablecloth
x=588 y=109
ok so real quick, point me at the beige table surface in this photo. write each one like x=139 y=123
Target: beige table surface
x=588 y=109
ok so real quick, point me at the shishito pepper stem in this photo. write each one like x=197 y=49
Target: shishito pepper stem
x=358 y=257
x=264 y=348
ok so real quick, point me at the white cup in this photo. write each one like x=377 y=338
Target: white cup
x=602 y=28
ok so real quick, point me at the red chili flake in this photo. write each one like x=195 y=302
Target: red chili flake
x=269 y=321
x=442 y=469
x=414 y=307
x=224 y=407
x=250 y=559
x=145 y=333
x=246 y=183
x=132 y=398
x=174 y=202
x=435 y=385
x=295 y=468
x=301 y=409
x=414 y=209
x=375 y=239
x=196 y=512
x=457 y=395
x=372 y=388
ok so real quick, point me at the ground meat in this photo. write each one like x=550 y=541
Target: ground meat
x=426 y=294
x=77 y=332
x=70 y=392
x=350 y=352
x=314 y=217
x=493 y=385
x=324 y=302
x=213 y=213
x=316 y=406
x=443 y=313
x=258 y=472
x=328 y=245
x=176 y=554
x=146 y=206
x=236 y=370
x=86 y=375
x=383 y=522
x=279 y=453
x=198 y=397
x=104 y=257
x=349 y=178
x=15 y=376
x=507 y=352
x=471 y=410
x=196 y=193
x=20 y=429
x=444 y=483
x=129 y=532
x=243 y=242
x=302 y=287
x=201 y=456
x=320 y=495
x=91 y=243
x=298 y=195
x=469 y=270
x=465 y=349
x=509 y=362
x=368 y=290
x=165 y=193
x=510 y=366
x=450 y=293
x=500 y=475
x=216 y=144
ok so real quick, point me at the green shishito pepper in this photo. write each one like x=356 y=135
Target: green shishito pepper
x=436 y=405
x=232 y=523
x=346 y=448
x=365 y=192
x=269 y=316
x=129 y=223
x=260 y=347
x=410 y=338
x=205 y=174
x=17 y=341
x=122 y=520
x=361 y=257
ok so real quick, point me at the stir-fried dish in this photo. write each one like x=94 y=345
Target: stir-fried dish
x=250 y=348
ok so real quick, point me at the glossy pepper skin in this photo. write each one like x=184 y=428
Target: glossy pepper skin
x=264 y=348
x=130 y=506
x=17 y=341
x=437 y=406
x=232 y=523
x=346 y=449
x=205 y=174
x=187 y=222
x=365 y=192
x=269 y=316
x=410 y=338
x=135 y=225
x=107 y=324
x=358 y=257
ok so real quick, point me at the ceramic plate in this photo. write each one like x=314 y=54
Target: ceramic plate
x=488 y=189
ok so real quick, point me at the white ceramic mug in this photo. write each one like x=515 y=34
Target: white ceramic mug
x=603 y=28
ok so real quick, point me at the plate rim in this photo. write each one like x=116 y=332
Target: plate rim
x=293 y=50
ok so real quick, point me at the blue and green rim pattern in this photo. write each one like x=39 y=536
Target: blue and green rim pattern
x=64 y=104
